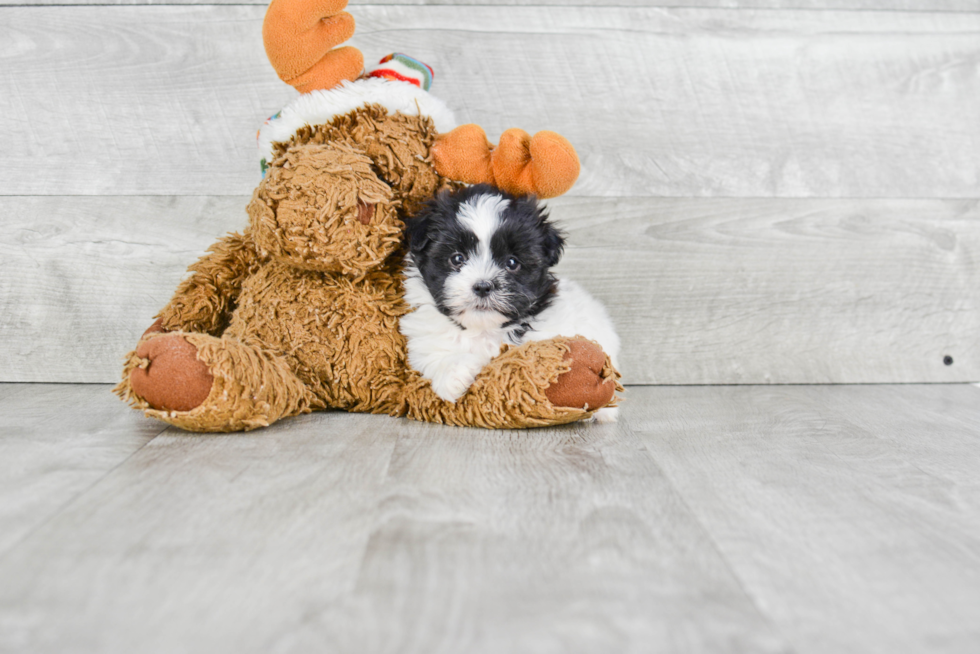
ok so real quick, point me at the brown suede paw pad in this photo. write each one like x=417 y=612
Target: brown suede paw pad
x=172 y=378
x=582 y=387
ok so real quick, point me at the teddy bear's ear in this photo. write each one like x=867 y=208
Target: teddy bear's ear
x=440 y=210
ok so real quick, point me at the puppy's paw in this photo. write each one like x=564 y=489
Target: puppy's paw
x=607 y=415
x=453 y=383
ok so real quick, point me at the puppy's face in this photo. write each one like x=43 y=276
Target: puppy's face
x=485 y=255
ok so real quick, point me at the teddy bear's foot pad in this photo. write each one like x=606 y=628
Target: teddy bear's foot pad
x=583 y=387
x=171 y=377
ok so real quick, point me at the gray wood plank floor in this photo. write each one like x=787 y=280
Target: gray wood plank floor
x=55 y=442
x=709 y=519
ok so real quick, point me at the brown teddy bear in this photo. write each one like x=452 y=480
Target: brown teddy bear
x=300 y=312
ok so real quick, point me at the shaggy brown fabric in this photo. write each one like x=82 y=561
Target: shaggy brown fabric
x=307 y=211
x=301 y=311
x=204 y=301
x=252 y=387
x=398 y=145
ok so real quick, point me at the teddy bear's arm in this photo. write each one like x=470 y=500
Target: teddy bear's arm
x=204 y=301
x=540 y=383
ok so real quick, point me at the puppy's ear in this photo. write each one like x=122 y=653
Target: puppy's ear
x=434 y=213
x=554 y=245
x=554 y=240
x=417 y=231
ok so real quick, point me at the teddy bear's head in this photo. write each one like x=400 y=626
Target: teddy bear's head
x=323 y=207
x=360 y=151
x=336 y=194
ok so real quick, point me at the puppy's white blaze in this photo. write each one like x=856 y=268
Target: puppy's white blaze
x=459 y=285
x=481 y=215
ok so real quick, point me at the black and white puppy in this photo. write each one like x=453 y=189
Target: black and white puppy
x=478 y=274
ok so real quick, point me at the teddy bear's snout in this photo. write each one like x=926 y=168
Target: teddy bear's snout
x=365 y=212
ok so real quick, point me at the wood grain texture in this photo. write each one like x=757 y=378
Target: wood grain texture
x=56 y=441
x=560 y=540
x=783 y=291
x=660 y=102
x=6 y=390
x=702 y=291
x=809 y=519
x=950 y=458
x=349 y=533
x=849 y=527
x=877 y=5
x=81 y=278
x=201 y=543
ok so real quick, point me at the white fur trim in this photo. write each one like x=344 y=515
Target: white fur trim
x=319 y=107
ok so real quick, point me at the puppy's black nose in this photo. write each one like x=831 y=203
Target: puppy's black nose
x=483 y=288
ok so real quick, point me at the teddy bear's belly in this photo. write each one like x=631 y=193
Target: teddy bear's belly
x=339 y=336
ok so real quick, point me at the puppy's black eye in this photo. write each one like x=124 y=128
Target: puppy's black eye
x=512 y=264
x=457 y=260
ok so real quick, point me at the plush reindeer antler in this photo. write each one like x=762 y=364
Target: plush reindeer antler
x=299 y=39
x=545 y=165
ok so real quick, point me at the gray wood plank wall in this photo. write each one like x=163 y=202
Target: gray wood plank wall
x=787 y=194
x=876 y=5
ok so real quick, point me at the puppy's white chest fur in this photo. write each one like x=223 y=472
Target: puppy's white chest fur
x=446 y=354
x=451 y=357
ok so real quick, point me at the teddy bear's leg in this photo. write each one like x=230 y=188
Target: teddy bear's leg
x=204 y=301
x=200 y=382
x=541 y=383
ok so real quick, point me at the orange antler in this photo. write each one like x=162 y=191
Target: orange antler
x=545 y=165
x=299 y=39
